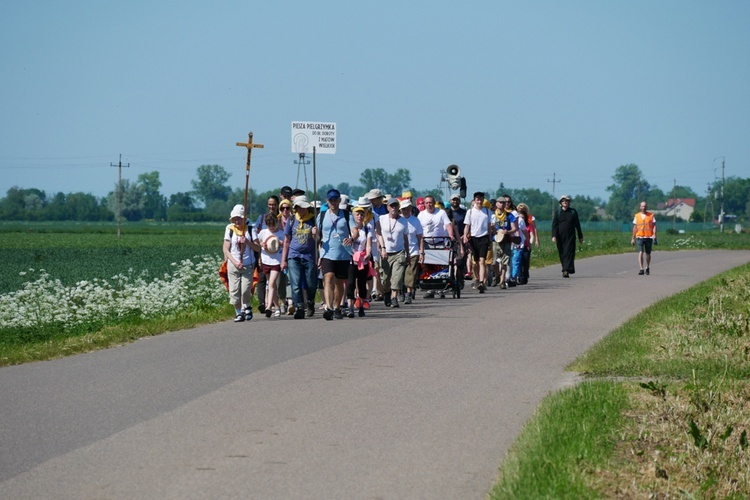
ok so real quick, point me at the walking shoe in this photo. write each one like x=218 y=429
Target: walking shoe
x=648 y=271
x=310 y=311
x=248 y=313
x=441 y=294
x=337 y=313
x=350 y=314
x=407 y=300
x=387 y=300
x=358 y=303
x=299 y=314
x=328 y=314
x=394 y=302
x=361 y=313
x=290 y=310
x=503 y=286
x=430 y=294
x=282 y=308
x=366 y=304
x=261 y=308
x=239 y=318
x=277 y=313
x=641 y=273
x=269 y=312
x=481 y=288
x=565 y=274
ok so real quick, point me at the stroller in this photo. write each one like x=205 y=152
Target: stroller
x=439 y=270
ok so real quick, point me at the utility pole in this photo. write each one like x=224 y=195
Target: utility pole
x=674 y=205
x=709 y=202
x=720 y=194
x=721 y=211
x=553 y=181
x=119 y=166
x=304 y=163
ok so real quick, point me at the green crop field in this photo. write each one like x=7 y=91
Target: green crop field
x=72 y=252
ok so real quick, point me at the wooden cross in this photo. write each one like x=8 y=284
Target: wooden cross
x=249 y=145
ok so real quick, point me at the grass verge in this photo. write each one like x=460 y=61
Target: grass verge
x=677 y=376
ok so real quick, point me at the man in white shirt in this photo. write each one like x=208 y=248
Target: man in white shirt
x=392 y=234
x=435 y=222
x=477 y=230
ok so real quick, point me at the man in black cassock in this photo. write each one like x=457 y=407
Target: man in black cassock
x=565 y=225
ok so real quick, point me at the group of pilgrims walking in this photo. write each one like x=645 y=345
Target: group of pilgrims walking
x=373 y=250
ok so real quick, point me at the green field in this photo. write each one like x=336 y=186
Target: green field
x=72 y=252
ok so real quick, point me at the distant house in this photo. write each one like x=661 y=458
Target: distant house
x=680 y=208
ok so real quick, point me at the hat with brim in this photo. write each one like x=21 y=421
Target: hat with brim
x=298 y=192
x=500 y=237
x=374 y=193
x=237 y=211
x=394 y=201
x=455 y=197
x=301 y=202
x=405 y=203
x=364 y=202
x=272 y=244
x=564 y=197
x=359 y=209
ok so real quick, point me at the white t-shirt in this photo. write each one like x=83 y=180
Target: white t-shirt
x=479 y=221
x=270 y=259
x=414 y=229
x=393 y=231
x=435 y=224
x=248 y=259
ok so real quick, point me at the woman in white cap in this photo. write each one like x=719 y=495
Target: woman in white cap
x=238 y=251
x=270 y=238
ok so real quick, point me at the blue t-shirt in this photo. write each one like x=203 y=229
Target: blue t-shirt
x=301 y=241
x=334 y=230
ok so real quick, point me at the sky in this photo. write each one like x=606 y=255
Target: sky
x=514 y=92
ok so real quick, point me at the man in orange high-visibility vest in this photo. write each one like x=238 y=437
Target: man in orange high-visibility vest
x=644 y=231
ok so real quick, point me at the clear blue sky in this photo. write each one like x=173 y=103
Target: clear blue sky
x=513 y=92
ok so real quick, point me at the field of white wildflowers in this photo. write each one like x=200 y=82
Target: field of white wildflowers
x=45 y=303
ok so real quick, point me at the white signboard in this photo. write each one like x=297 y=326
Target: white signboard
x=322 y=136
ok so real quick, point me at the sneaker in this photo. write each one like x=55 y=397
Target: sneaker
x=299 y=314
x=277 y=313
x=387 y=301
x=261 y=308
x=565 y=274
x=248 y=313
x=239 y=318
x=648 y=271
x=361 y=313
x=366 y=304
x=394 y=303
x=503 y=286
x=481 y=288
x=337 y=313
x=350 y=314
x=430 y=294
x=290 y=310
x=310 y=311
x=407 y=300
x=283 y=308
x=358 y=303
x=328 y=314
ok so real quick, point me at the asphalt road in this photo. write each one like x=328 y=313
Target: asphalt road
x=419 y=402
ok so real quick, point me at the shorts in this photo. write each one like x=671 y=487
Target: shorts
x=644 y=245
x=479 y=246
x=268 y=268
x=340 y=268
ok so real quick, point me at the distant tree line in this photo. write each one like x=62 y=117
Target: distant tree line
x=212 y=198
